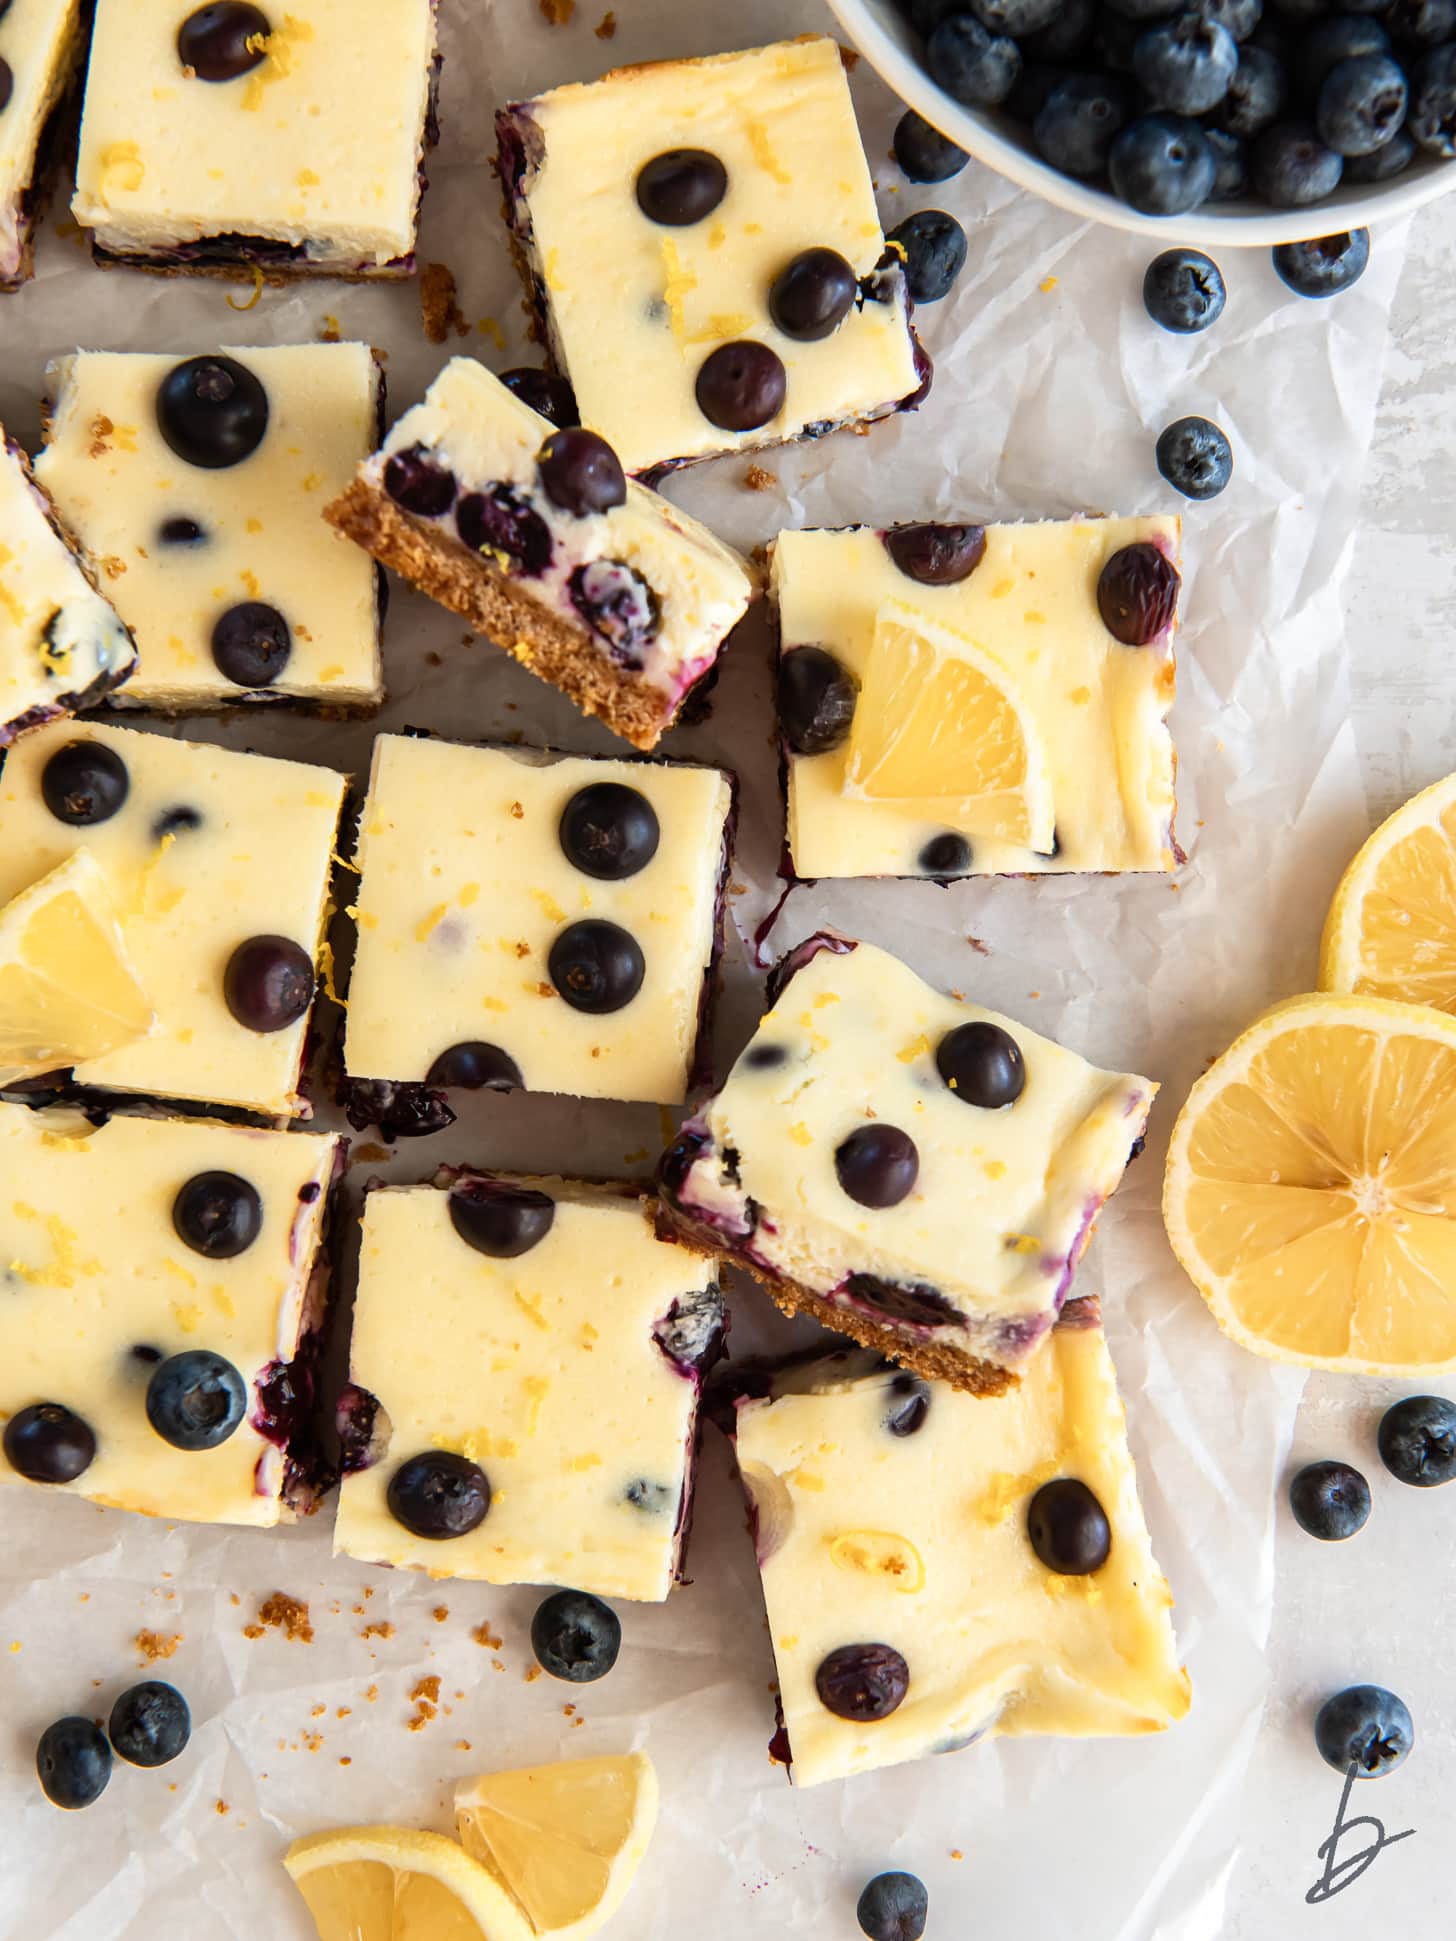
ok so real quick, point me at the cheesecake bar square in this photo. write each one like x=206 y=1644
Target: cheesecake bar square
x=218 y=865
x=700 y=241
x=961 y=700
x=537 y=920
x=40 y=44
x=62 y=646
x=196 y=486
x=531 y=532
x=939 y=1568
x=237 y=138
x=529 y=1413
x=165 y=1291
x=909 y=1168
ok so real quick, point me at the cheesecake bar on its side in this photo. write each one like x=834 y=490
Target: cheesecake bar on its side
x=165 y=1297
x=939 y=1569
x=219 y=866
x=235 y=139
x=196 y=486
x=534 y=920
x=909 y=1168
x=62 y=647
x=40 y=46
x=528 y=1414
x=533 y=535
x=725 y=284
x=1069 y=622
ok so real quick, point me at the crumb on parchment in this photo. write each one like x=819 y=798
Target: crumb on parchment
x=440 y=309
x=606 y=27
x=383 y=1629
x=759 y=479
x=557 y=13
x=153 y=1645
x=280 y=1612
x=483 y=1635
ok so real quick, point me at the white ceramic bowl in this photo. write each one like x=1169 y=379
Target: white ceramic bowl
x=883 y=36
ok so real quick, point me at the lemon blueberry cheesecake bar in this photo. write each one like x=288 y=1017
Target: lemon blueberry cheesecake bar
x=40 y=45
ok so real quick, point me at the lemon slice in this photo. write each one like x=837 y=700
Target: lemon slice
x=1391 y=930
x=940 y=727
x=1311 y=1186
x=565 y=1839
x=67 y=988
x=394 y=1883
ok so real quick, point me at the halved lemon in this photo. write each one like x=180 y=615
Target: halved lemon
x=394 y=1883
x=566 y=1839
x=1311 y=1186
x=1391 y=930
x=67 y=988
x=941 y=727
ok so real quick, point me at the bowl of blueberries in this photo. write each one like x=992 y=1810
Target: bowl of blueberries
x=1236 y=121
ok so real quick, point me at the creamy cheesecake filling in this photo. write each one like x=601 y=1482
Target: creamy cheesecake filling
x=39 y=41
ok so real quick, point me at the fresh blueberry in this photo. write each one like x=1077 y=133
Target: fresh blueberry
x=84 y=783
x=268 y=984
x=222 y=41
x=499 y=1218
x=609 y=831
x=1364 y=1726
x=549 y=396
x=400 y=1110
x=1339 y=37
x=1417 y=1440
x=1362 y=104
x=416 y=480
x=918 y=1303
x=923 y=152
x=217 y=1215
x=1230 y=165
x=581 y=473
x=1330 y=1500
x=1068 y=1528
x=1433 y=102
x=212 y=412
x=877 y=1165
x=816 y=696
x=681 y=186
x=893 y=1907
x=935 y=252
x=1241 y=17
x=474 y=1066
x=48 y=1443
x=936 y=555
x=973 y=66
x=1422 y=23
x=196 y=1400
x=1186 y=65
x=1291 y=167
x=73 y=1761
x=1183 y=290
x=926 y=15
x=982 y=1065
x=439 y=1495
x=1162 y=165
x=617 y=604
x=1077 y=122
x=1015 y=17
x=1195 y=458
x=1067 y=35
x=1137 y=594
x=1114 y=41
x=863 y=1682
x=1144 y=9
x=150 y=1723
x=1256 y=94
x=1382 y=164
x=812 y=295
x=499 y=520
x=1324 y=265
x=251 y=643
x=1035 y=86
x=596 y=966
x=180 y=531
x=1299 y=13
x=576 y=1637
x=909 y=1405
x=946 y=855
x=740 y=386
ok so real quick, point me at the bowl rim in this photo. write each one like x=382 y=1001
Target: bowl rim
x=965 y=126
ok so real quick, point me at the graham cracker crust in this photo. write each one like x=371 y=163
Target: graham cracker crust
x=933 y=1360
x=494 y=605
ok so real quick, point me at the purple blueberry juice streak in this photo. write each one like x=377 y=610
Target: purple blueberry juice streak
x=700 y=1068
x=356 y=1420
x=794 y=960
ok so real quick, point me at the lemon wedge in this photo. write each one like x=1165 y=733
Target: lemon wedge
x=1391 y=930
x=1311 y=1186
x=67 y=988
x=394 y=1883
x=566 y=1839
x=941 y=728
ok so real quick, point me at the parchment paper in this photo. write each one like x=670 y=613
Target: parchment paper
x=1051 y=386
